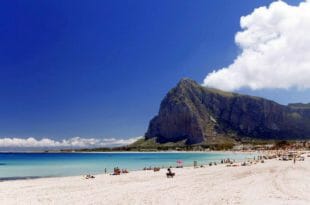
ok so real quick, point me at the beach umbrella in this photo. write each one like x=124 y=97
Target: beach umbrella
x=179 y=162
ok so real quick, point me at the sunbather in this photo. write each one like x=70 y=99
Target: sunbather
x=88 y=176
x=156 y=169
x=125 y=171
x=117 y=171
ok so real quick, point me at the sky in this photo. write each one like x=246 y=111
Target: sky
x=94 y=72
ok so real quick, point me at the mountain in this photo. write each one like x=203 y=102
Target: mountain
x=196 y=114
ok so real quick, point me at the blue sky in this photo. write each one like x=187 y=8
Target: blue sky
x=100 y=68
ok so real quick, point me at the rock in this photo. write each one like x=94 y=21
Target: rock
x=198 y=114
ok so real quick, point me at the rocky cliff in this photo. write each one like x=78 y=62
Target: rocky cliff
x=197 y=114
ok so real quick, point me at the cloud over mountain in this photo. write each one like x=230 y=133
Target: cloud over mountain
x=275 y=50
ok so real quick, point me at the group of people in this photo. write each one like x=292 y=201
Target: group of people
x=155 y=169
x=169 y=173
x=118 y=171
x=227 y=161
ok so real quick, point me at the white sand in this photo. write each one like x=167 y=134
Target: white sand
x=274 y=182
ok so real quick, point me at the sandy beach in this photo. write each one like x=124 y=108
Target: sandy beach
x=272 y=182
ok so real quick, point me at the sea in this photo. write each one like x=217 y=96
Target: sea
x=35 y=165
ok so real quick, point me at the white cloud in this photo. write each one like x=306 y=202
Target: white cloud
x=275 y=50
x=75 y=142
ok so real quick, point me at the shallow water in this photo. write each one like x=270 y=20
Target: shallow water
x=32 y=165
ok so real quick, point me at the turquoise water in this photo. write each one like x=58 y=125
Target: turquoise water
x=31 y=165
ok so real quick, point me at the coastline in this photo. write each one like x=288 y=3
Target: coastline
x=272 y=182
x=237 y=158
x=119 y=152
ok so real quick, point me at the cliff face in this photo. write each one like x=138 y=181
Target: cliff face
x=197 y=114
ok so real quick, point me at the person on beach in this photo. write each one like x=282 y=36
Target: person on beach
x=88 y=176
x=170 y=173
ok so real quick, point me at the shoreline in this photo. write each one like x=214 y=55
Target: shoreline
x=172 y=165
x=134 y=152
x=272 y=182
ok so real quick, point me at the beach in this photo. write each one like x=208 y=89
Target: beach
x=271 y=182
